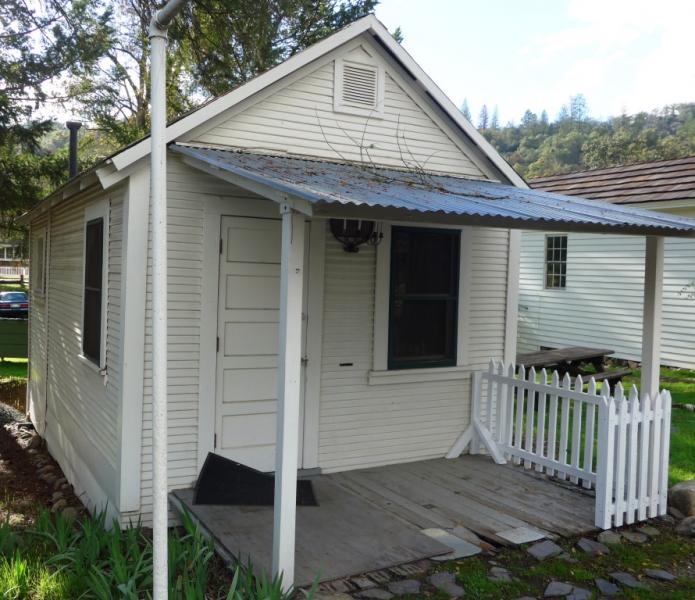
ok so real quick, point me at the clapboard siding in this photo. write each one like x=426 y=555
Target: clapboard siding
x=602 y=303
x=82 y=408
x=185 y=198
x=366 y=425
x=299 y=119
x=38 y=328
x=188 y=193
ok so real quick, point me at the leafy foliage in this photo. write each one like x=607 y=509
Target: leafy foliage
x=39 y=43
x=215 y=45
x=92 y=56
x=62 y=559
x=536 y=147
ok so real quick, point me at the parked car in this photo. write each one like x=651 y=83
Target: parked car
x=14 y=305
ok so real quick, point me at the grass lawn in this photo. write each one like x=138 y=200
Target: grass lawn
x=667 y=551
x=13 y=367
x=681 y=384
x=13 y=287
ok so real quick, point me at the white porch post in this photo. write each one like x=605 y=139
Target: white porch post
x=289 y=370
x=651 y=324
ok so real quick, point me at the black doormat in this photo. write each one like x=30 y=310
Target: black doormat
x=223 y=481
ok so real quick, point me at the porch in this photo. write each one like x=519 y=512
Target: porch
x=372 y=519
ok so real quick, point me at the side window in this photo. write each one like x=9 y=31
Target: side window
x=556 y=261
x=423 y=299
x=38 y=262
x=94 y=299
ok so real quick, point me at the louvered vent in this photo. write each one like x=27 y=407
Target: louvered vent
x=359 y=86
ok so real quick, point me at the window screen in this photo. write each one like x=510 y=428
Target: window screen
x=93 y=271
x=556 y=261
x=38 y=265
x=423 y=302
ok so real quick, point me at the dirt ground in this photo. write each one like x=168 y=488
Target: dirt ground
x=29 y=478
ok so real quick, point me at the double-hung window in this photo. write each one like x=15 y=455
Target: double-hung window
x=556 y=261
x=38 y=262
x=423 y=298
x=94 y=299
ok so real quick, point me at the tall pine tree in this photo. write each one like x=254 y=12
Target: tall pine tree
x=483 y=119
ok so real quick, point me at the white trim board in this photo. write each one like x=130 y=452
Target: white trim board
x=134 y=288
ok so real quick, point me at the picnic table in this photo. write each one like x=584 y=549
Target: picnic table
x=566 y=360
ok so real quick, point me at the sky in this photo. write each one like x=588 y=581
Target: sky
x=625 y=56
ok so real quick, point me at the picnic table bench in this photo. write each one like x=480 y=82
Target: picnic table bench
x=569 y=360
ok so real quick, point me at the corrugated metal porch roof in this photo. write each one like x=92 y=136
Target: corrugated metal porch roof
x=348 y=190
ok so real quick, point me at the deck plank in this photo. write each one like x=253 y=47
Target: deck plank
x=370 y=519
x=343 y=536
x=562 y=510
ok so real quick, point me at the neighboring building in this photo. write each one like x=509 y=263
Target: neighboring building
x=587 y=290
x=350 y=128
x=10 y=252
x=12 y=262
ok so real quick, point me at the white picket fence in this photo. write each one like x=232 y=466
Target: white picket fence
x=617 y=444
x=14 y=272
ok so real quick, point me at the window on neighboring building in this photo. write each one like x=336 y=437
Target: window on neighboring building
x=556 y=261
x=37 y=275
x=423 y=300
x=93 y=290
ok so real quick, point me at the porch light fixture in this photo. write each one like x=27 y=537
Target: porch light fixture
x=352 y=233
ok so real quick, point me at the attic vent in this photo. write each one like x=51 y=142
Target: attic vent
x=358 y=88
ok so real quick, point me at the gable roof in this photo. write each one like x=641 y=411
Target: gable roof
x=332 y=189
x=662 y=180
x=367 y=25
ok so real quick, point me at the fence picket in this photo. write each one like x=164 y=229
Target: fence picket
x=530 y=413
x=564 y=425
x=633 y=428
x=621 y=406
x=489 y=397
x=631 y=435
x=589 y=434
x=540 y=421
x=520 y=393
x=644 y=439
x=665 y=448
x=576 y=426
x=511 y=388
x=501 y=421
x=604 y=470
x=654 y=457
x=552 y=423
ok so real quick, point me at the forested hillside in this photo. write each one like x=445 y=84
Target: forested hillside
x=574 y=141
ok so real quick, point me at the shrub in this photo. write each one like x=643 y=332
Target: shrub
x=59 y=558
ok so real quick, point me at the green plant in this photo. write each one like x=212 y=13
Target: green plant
x=15 y=576
x=247 y=586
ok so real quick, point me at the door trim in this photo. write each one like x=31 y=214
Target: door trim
x=215 y=208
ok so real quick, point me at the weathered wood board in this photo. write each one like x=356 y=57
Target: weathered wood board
x=344 y=535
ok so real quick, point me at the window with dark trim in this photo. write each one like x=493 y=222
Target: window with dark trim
x=93 y=292
x=423 y=299
x=556 y=261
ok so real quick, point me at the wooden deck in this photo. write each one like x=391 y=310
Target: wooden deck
x=372 y=519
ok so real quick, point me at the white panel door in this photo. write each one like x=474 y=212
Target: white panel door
x=248 y=316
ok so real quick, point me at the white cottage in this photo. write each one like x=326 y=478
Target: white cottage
x=575 y=308
x=346 y=142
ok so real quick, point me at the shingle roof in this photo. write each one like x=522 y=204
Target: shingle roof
x=332 y=187
x=644 y=182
